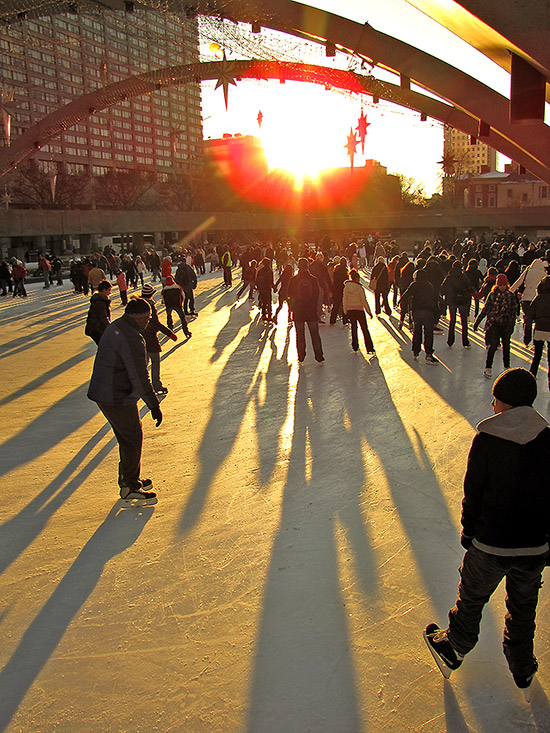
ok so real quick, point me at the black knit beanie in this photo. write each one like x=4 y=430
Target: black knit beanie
x=515 y=387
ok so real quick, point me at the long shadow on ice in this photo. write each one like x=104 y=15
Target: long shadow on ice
x=47 y=430
x=17 y=533
x=303 y=672
x=236 y=388
x=119 y=531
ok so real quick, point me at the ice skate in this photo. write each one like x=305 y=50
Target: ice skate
x=137 y=497
x=524 y=682
x=445 y=656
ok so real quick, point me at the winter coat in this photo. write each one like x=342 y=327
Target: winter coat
x=264 y=279
x=99 y=316
x=166 y=267
x=506 y=506
x=172 y=296
x=420 y=295
x=152 y=343
x=538 y=312
x=303 y=295
x=530 y=278
x=186 y=277
x=500 y=308
x=380 y=274
x=354 y=298
x=456 y=289
x=121 y=282
x=339 y=277
x=120 y=375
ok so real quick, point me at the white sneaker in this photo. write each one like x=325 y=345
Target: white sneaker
x=488 y=373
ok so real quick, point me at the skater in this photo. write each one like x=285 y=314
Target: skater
x=227 y=264
x=526 y=287
x=380 y=284
x=249 y=279
x=122 y=287
x=538 y=313
x=421 y=297
x=152 y=343
x=99 y=313
x=303 y=298
x=355 y=304
x=186 y=278
x=172 y=296
x=500 y=310
x=505 y=522
x=282 y=284
x=457 y=291
x=265 y=285
x=119 y=379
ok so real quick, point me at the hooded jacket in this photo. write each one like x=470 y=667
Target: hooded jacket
x=99 y=316
x=506 y=506
x=530 y=278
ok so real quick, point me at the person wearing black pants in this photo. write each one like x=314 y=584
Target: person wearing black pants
x=303 y=296
x=355 y=304
x=500 y=310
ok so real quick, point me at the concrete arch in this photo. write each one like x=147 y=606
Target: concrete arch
x=68 y=116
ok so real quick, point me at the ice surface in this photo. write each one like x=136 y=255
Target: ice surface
x=306 y=532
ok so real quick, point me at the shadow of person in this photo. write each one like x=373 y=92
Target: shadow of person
x=303 y=675
x=236 y=387
x=119 y=530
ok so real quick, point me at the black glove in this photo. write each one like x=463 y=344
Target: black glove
x=156 y=414
x=466 y=541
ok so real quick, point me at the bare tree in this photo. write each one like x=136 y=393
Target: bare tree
x=34 y=188
x=125 y=189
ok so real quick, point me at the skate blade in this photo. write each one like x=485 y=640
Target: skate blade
x=527 y=693
x=139 y=502
x=445 y=671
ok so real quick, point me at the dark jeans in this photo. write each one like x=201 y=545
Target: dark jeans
x=423 y=322
x=381 y=301
x=264 y=301
x=227 y=277
x=359 y=317
x=154 y=356
x=189 y=301
x=527 y=324
x=337 y=308
x=480 y=575
x=181 y=314
x=493 y=335
x=463 y=311
x=126 y=425
x=539 y=348
x=313 y=327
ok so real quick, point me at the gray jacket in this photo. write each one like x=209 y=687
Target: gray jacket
x=120 y=375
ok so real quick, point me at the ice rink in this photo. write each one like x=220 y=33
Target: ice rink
x=306 y=532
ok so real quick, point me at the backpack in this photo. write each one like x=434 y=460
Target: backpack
x=305 y=292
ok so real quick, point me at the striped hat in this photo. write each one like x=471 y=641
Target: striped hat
x=147 y=291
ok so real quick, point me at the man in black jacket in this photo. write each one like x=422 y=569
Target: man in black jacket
x=303 y=298
x=422 y=298
x=119 y=379
x=505 y=526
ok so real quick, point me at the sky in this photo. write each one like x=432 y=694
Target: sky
x=305 y=126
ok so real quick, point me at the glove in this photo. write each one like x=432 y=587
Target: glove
x=156 y=414
x=173 y=336
x=466 y=541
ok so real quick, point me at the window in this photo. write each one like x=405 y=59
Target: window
x=509 y=193
x=523 y=197
x=543 y=192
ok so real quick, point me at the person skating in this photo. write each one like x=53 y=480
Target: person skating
x=186 y=278
x=303 y=298
x=538 y=313
x=282 y=284
x=505 y=524
x=355 y=304
x=152 y=343
x=422 y=299
x=500 y=311
x=99 y=313
x=119 y=379
x=265 y=285
x=457 y=291
x=172 y=296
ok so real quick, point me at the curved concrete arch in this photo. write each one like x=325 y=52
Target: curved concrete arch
x=68 y=116
x=442 y=79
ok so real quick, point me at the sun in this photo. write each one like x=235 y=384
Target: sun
x=295 y=154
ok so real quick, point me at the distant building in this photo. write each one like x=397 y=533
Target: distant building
x=50 y=61
x=504 y=190
x=470 y=158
